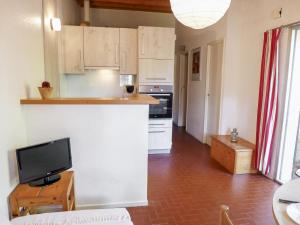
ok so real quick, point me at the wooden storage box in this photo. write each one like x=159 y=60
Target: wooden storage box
x=235 y=157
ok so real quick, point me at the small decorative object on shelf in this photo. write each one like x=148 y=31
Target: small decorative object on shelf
x=45 y=90
x=234 y=135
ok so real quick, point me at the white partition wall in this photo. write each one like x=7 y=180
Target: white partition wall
x=109 y=149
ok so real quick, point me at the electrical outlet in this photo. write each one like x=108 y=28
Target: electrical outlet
x=277 y=13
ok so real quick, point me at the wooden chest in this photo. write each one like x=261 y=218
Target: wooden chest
x=235 y=157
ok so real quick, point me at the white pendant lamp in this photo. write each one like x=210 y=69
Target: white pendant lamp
x=199 y=14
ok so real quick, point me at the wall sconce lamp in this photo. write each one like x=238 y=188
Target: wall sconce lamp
x=55 y=24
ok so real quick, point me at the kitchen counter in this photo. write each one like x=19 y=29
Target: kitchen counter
x=131 y=100
x=109 y=140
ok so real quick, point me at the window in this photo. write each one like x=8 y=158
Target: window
x=289 y=150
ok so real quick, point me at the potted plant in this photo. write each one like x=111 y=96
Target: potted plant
x=46 y=90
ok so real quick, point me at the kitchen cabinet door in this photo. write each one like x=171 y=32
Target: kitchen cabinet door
x=128 y=51
x=160 y=138
x=156 y=71
x=101 y=47
x=72 y=49
x=156 y=42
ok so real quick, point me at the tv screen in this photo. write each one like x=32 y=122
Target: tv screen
x=44 y=160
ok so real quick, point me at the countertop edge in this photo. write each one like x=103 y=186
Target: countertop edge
x=131 y=100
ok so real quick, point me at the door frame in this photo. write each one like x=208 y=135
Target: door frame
x=208 y=64
x=183 y=79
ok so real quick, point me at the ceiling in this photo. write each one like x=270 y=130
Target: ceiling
x=140 y=5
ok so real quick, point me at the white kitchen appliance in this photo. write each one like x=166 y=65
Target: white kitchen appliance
x=160 y=118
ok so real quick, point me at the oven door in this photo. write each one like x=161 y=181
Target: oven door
x=164 y=108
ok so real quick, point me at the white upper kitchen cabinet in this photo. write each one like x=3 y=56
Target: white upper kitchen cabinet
x=128 y=51
x=154 y=71
x=72 y=50
x=156 y=42
x=101 y=47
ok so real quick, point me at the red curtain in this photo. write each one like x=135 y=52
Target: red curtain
x=267 y=112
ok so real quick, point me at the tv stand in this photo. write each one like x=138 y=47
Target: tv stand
x=45 y=181
x=26 y=199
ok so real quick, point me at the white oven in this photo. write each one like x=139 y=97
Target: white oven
x=160 y=118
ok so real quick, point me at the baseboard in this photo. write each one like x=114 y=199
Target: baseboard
x=112 y=205
x=159 y=151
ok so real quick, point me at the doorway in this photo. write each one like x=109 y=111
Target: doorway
x=213 y=90
x=181 y=90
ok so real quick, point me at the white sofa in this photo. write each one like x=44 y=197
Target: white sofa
x=80 y=217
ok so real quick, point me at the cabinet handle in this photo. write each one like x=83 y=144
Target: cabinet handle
x=156 y=124
x=125 y=54
x=159 y=94
x=80 y=61
x=143 y=44
x=156 y=132
x=153 y=78
x=117 y=53
x=124 y=61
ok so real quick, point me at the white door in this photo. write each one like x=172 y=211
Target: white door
x=128 y=51
x=182 y=90
x=72 y=47
x=213 y=89
x=101 y=47
x=156 y=42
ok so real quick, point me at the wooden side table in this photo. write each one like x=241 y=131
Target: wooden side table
x=25 y=198
x=235 y=157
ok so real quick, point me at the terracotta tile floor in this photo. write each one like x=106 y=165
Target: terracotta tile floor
x=187 y=187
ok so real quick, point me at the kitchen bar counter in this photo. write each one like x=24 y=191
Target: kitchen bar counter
x=109 y=139
x=131 y=100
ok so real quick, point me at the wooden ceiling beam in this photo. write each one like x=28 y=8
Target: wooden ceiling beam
x=140 y=5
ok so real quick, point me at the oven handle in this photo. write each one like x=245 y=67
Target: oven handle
x=156 y=132
x=155 y=78
x=159 y=94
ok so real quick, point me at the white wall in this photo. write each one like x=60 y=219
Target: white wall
x=242 y=30
x=109 y=149
x=21 y=71
x=94 y=83
x=130 y=19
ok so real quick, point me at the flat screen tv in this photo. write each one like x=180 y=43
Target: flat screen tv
x=40 y=165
